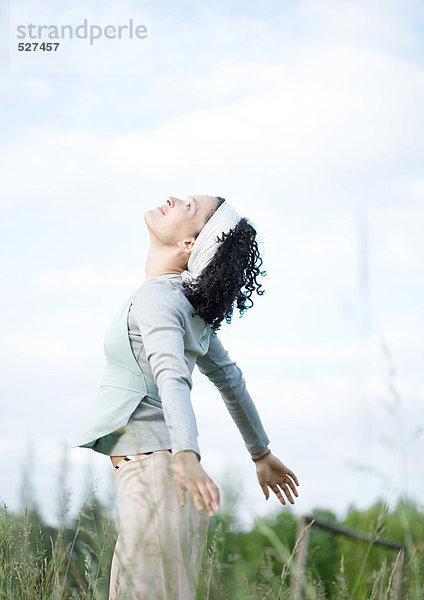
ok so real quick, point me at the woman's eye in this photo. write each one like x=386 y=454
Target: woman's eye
x=188 y=205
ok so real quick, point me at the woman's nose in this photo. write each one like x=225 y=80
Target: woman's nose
x=170 y=200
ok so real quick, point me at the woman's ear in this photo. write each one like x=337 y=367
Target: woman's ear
x=187 y=245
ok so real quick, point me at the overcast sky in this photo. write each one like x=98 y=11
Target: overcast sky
x=307 y=117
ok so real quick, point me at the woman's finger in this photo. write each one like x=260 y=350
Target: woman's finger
x=265 y=490
x=213 y=489
x=293 y=476
x=207 y=498
x=278 y=494
x=286 y=490
x=197 y=497
x=291 y=484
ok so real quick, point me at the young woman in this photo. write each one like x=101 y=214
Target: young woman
x=203 y=259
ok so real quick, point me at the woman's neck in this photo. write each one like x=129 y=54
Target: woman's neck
x=160 y=263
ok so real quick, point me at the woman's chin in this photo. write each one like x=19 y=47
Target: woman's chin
x=150 y=214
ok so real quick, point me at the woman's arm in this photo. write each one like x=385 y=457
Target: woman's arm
x=161 y=325
x=228 y=378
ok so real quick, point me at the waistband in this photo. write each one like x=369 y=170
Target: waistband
x=136 y=457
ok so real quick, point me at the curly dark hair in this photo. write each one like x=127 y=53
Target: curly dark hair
x=235 y=265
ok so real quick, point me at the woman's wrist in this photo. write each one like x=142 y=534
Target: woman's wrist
x=186 y=456
x=258 y=455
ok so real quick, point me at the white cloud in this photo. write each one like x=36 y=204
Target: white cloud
x=53 y=343
x=395 y=229
x=79 y=278
x=315 y=115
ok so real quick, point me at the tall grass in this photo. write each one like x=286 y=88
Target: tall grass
x=73 y=561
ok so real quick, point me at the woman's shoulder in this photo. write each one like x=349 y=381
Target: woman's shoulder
x=157 y=289
x=158 y=284
x=160 y=297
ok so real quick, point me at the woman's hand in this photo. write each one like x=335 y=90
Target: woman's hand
x=190 y=476
x=272 y=473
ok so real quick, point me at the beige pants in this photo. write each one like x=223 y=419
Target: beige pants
x=160 y=545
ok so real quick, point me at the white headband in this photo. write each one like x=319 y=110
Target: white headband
x=205 y=246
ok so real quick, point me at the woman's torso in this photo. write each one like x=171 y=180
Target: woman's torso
x=147 y=420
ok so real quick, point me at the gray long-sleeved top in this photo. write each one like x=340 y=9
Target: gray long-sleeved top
x=167 y=341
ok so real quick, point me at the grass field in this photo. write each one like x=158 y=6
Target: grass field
x=73 y=560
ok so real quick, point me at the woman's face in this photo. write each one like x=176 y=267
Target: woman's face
x=178 y=221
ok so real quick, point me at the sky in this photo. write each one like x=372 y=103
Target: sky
x=307 y=117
